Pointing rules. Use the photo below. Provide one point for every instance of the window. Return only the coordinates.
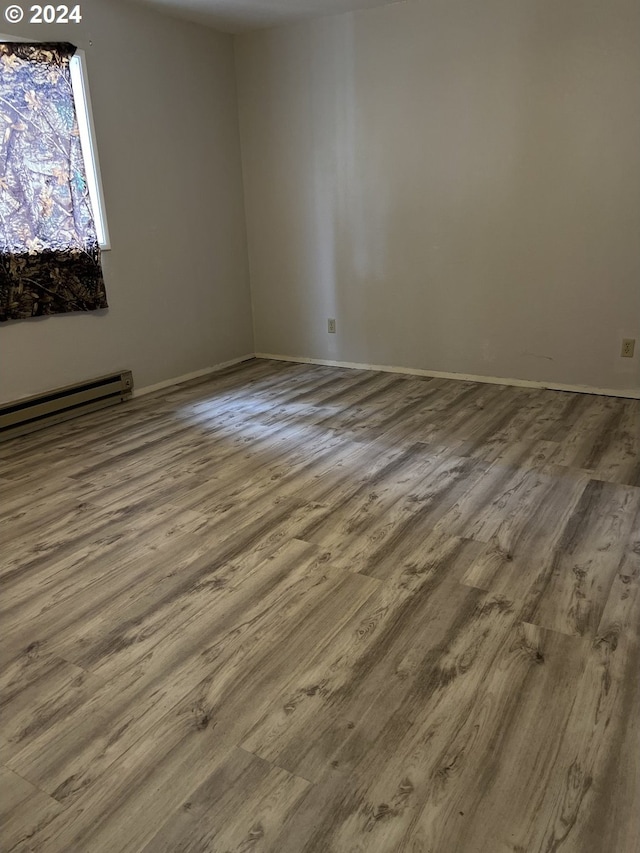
(80, 86)
(52, 224)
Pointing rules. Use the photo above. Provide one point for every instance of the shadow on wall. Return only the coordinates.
(348, 250)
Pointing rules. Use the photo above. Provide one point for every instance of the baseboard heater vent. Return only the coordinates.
(37, 412)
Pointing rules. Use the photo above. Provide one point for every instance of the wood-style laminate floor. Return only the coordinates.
(297, 608)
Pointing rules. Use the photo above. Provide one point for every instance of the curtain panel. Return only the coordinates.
(49, 253)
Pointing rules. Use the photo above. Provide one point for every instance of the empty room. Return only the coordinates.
(320, 426)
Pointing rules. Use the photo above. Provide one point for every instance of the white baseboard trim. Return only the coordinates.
(467, 377)
(196, 374)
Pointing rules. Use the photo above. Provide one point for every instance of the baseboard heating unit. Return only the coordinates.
(40, 411)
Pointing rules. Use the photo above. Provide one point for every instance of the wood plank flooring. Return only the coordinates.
(302, 609)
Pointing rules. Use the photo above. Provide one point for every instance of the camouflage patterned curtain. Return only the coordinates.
(49, 254)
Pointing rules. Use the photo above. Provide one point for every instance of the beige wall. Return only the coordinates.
(165, 111)
(456, 182)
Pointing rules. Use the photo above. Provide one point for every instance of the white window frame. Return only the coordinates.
(82, 98)
(84, 113)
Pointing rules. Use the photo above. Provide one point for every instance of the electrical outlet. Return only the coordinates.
(331, 326)
(628, 347)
